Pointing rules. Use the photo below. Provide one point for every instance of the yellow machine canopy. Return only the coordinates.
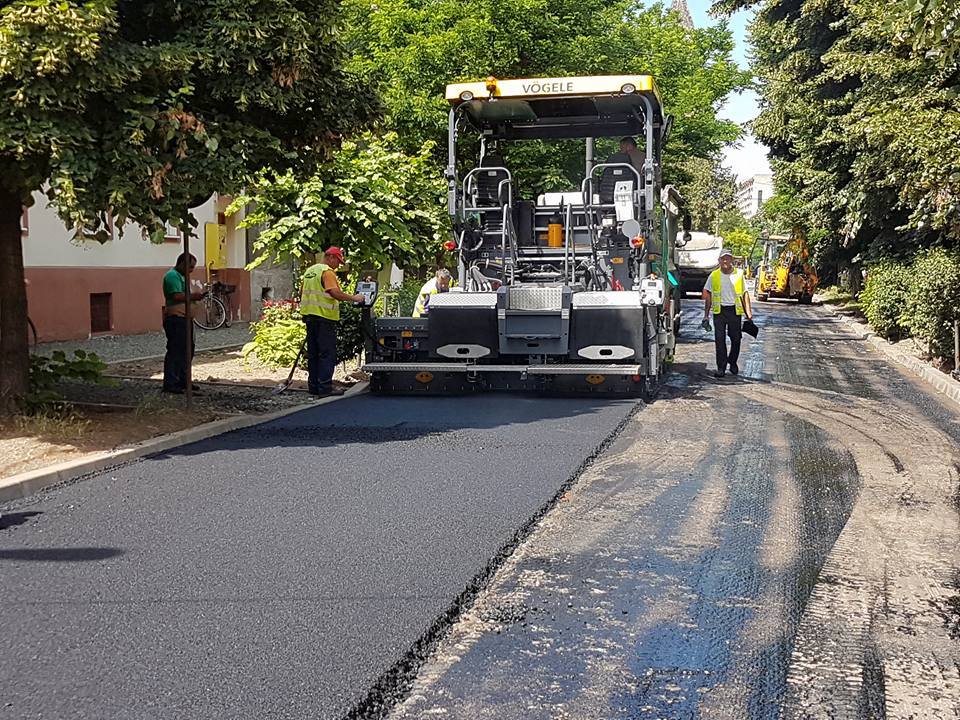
(570, 107)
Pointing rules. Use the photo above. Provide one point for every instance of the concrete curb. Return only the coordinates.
(941, 382)
(25, 484)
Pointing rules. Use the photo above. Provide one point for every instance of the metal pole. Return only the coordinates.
(590, 154)
(186, 301)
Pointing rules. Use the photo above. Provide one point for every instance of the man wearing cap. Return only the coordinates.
(725, 294)
(320, 300)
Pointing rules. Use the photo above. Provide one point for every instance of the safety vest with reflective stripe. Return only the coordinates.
(739, 288)
(314, 300)
(423, 299)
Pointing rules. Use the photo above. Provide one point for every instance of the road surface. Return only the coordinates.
(781, 543)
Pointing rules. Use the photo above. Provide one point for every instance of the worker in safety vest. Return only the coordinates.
(725, 296)
(440, 283)
(320, 300)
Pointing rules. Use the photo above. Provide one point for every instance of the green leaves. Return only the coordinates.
(165, 102)
(380, 203)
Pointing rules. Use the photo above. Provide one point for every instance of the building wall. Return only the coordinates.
(752, 193)
(63, 273)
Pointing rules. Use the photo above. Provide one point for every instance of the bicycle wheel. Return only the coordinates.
(209, 313)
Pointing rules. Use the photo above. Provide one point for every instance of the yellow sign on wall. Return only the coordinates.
(215, 246)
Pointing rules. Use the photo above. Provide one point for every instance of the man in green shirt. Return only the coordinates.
(175, 324)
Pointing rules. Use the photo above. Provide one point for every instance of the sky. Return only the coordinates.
(749, 158)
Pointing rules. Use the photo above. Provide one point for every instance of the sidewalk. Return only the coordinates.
(113, 348)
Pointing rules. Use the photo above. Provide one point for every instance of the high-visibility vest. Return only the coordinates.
(739, 288)
(314, 300)
(423, 299)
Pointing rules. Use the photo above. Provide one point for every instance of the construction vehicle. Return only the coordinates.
(569, 292)
(699, 257)
(785, 270)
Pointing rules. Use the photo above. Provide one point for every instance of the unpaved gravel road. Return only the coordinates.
(780, 546)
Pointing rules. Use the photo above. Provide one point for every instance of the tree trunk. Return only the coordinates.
(14, 352)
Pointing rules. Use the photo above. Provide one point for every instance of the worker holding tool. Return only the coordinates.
(320, 300)
(439, 283)
(725, 294)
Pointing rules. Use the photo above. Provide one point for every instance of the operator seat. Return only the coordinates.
(612, 175)
(488, 181)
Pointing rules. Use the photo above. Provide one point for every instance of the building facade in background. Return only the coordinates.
(752, 193)
(79, 289)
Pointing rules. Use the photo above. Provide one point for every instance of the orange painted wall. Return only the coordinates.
(59, 299)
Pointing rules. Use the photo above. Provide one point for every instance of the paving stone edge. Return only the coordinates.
(941, 382)
(23, 485)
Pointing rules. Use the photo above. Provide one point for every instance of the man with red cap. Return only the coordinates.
(320, 300)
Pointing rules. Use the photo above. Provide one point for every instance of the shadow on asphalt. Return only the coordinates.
(78, 554)
(8, 520)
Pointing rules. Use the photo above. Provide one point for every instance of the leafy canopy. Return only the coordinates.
(147, 108)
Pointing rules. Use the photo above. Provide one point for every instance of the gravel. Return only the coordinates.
(114, 348)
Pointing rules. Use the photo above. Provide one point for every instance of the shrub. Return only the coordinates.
(46, 373)
(278, 335)
(884, 299)
(934, 299)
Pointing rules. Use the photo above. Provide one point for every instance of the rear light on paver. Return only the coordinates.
(450, 246)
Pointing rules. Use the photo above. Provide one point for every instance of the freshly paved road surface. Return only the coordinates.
(783, 545)
(276, 572)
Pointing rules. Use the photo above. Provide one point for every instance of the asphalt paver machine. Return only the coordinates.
(568, 292)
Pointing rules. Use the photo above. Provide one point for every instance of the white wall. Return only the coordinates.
(49, 243)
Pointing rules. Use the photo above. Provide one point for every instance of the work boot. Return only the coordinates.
(719, 374)
(329, 392)
(734, 370)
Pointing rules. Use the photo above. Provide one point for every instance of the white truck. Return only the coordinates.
(696, 259)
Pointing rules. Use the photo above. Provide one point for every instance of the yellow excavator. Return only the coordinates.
(785, 271)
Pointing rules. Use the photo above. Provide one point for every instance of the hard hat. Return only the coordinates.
(725, 251)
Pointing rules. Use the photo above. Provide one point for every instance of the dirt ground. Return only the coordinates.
(131, 408)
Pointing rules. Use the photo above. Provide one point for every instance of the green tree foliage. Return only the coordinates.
(410, 49)
(710, 192)
(380, 203)
(146, 107)
(860, 110)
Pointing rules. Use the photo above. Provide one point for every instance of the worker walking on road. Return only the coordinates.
(725, 295)
(320, 300)
(440, 283)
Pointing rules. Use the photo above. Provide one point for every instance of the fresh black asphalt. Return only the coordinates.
(278, 571)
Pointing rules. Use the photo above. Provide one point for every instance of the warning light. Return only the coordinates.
(450, 246)
(637, 241)
(637, 378)
(492, 85)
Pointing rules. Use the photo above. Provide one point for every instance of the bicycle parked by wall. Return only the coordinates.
(213, 310)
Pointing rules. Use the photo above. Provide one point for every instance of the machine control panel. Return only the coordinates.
(651, 291)
(367, 288)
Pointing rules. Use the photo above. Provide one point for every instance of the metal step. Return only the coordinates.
(558, 369)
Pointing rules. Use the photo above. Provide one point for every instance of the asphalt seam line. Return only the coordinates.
(394, 684)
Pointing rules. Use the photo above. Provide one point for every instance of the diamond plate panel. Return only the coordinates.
(535, 298)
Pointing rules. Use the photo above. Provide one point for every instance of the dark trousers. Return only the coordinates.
(727, 322)
(321, 353)
(175, 361)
